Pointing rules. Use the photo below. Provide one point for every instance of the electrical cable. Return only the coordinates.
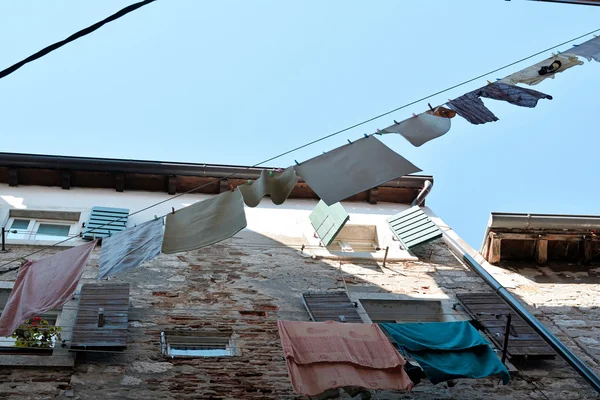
(302, 146)
(73, 37)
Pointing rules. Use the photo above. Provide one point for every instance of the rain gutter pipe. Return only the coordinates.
(570, 357)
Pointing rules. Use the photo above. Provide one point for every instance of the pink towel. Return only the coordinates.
(327, 355)
(43, 285)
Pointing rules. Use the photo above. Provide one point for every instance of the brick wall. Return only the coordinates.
(246, 288)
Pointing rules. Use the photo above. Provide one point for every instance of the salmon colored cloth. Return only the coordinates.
(327, 355)
(44, 284)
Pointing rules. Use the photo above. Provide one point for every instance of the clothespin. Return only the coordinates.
(431, 108)
(366, 135)
(249, 182)
(173, 210)
(155, 217)
(324, 152)
(271, 173)
(231, 187)
(297, 163)
(414, 115)
(489, 83)
(349, 141)
(396, 122)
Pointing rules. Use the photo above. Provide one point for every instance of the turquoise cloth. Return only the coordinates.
(448, 350)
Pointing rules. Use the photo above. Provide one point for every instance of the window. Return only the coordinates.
(399, 311)
(193, 344)
(355, 239)
(8, 344)
(40, 229)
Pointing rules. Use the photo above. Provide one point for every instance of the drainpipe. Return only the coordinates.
(544, 332)
(422, 194)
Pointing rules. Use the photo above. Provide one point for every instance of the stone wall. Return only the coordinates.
(246, 288)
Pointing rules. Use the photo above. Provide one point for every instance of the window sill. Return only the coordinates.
(393, 256)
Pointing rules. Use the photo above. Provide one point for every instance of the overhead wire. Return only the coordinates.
(73, 37)
(298, 147)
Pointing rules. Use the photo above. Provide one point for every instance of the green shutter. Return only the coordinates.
(328, 221)
(105, 221)
(413, 227)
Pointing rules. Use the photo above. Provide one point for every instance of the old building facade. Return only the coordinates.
(203, 324)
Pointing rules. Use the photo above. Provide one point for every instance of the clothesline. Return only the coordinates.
(312, 142)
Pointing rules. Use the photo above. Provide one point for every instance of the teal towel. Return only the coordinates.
(448, 350)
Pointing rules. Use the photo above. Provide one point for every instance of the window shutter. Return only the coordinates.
(114, 300)
(331, 306)
(105, 221)
(328, 221)
(490, 310)
(413, 227)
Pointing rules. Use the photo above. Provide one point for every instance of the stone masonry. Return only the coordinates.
(242, 288)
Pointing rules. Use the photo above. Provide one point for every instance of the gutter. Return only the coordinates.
(16, 160)
(570, 357)
(522, 221)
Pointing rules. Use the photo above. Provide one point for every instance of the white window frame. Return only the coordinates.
(176, 351)
(30, 233)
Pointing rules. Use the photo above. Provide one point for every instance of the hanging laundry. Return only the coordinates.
(421, 128)
(44, 284)
(448, 350)
(328, 355)
(442, 112)
(204, 223)
(128, 249)
(542, 70)
(589, 50)
(353, 168)
(277, 185)
(471, 108)
(516, 95)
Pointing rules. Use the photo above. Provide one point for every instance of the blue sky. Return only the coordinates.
(236, 82)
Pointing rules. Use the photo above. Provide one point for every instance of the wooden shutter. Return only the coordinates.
(114, 299)
(328, 221)
(413, 227)
(330, 307)
(105, 221)
(523, 341)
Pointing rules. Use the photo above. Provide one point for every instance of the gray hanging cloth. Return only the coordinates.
(421, 128)
(204, 223)
(353, 168)
(589, 50)
(471, 108)
(516, 95)
(128, 249)
(277, 185)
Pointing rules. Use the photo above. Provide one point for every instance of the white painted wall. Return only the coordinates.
(287, 223)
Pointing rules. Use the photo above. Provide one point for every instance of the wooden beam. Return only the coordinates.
(373, 195)
(13, 177)
(566, 237)
(495, 249)
(65, 180)
(120, 182)
(172, 184)
(224, 185)
(588, 246)
(541, 251)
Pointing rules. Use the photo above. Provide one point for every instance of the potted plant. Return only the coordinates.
(36, 335)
